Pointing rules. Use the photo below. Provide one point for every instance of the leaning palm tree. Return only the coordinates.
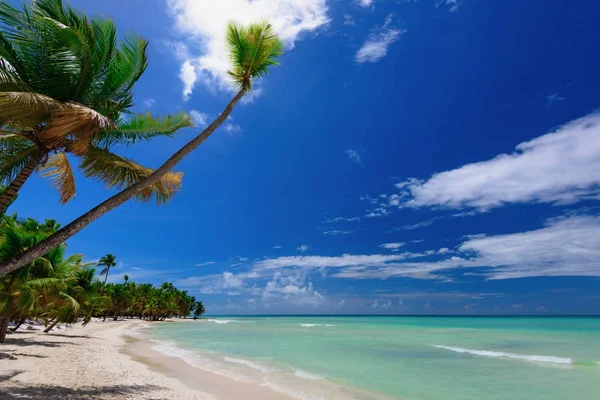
(65, 83)
(253, 50)
(108, 261)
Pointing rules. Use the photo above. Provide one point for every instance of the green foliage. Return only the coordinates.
(60, 289)
(65, 82)
(252, 50)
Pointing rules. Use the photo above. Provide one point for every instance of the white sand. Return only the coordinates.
(89, 363)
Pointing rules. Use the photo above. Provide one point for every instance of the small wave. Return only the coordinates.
(500, 354)
(227, 321)
(250, 364)
(306, 375)
(313, 325)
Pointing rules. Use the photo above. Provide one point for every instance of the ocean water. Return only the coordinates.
(412, 358)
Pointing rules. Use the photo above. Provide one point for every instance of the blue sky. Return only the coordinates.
(407, 157)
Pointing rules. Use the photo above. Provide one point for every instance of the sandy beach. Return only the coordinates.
(108, 360)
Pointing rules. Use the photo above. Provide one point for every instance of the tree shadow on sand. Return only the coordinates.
(13, 355)
(72, 336)
(45, 392)
(22, 342)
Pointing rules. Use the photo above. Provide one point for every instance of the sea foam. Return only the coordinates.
(500, 354)
(313, 325)
(251, 364)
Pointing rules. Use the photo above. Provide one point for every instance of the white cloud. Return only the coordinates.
(187, 74)
(378, 43)
(341, 219)
(203, 264)
(227, 282)
(200, 119)
(338, 232)
(392, 246)
(278, 247)
(232, 128)
(348, 20)
(354, 156)
(365, 3)
(149, 102)
(453, 5)
(292, 289)
(565, 247)
(302, 248)
(559, 167)
(203, 23)
(554, 98)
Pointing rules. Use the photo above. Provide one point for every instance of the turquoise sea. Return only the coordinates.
(412, 358)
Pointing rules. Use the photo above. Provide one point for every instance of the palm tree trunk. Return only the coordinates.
(106, 276)
(8, 195)
(19, 324)
(3, 328)
(48, 329)
(60, 236)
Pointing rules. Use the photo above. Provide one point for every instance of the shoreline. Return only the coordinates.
(109, 360)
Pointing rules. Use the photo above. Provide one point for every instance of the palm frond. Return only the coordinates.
(26, 109)
(121, 172)
(252, 50)
(77, 121)
(59, 170)
(13, 161)
(141, 127)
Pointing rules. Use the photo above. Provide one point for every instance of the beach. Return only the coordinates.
(107, 360)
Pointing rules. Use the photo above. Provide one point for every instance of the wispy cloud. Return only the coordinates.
(453, 5)
(354, 156)
(379, 41)
(278, 247)
(149, 102)
(337, 232)
(553, 168)
(341, 219)
(567, 246)
(202, 24)
(204, 264)
(554, 98)
(200, 119)
(349, 20)
(302, 248)
(365, 3)
(392, 246)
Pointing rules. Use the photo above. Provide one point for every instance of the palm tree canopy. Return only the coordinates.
(107, 261)
(65, 83)
(252, 49)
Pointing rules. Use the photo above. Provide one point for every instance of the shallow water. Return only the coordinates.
(413, 358)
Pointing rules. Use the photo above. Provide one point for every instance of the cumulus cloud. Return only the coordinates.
(560, 167)
(377, 45)
(292, 289)
(203, 23)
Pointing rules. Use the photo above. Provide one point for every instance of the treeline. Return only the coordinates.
(56, 288)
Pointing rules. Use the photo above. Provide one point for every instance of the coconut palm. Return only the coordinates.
(108, 261)
(65, 83)
(253, 50)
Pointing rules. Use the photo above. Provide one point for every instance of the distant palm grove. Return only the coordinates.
(60, 289)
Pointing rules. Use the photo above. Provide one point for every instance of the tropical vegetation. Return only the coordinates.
(66, 90)
(253, 50)
(60, 289)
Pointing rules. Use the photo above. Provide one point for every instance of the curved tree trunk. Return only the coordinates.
(8, 195)
(60, 236)
(48, 329)
(3, 328)
(19, 324)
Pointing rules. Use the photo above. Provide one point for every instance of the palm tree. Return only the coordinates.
(108, 261)
(252, 51)
(126, 278)
(65, 83)
(198, 309)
